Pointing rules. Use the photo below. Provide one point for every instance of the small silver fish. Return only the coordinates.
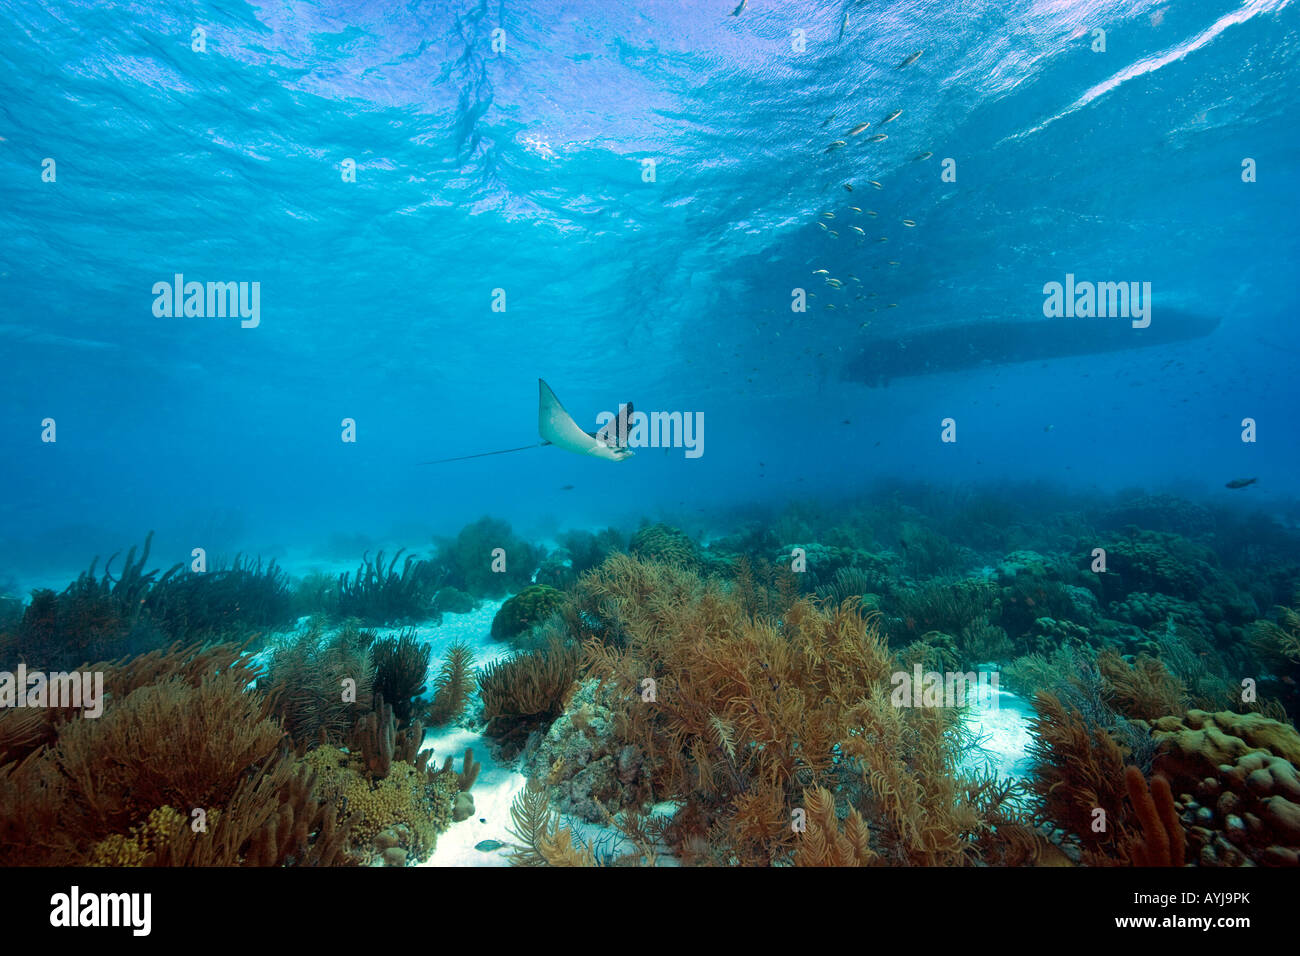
(908, 62)
(879, 138)
(736, 13)
(908, 222)
(876, 184)
(891, 117)
(926, 155)
(858, 129)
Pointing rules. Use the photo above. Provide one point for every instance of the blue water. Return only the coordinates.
(522, 170)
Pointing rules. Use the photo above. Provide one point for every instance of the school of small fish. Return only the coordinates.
(854, 131)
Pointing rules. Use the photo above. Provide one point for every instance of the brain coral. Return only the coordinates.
(659, 542)
(530, 607)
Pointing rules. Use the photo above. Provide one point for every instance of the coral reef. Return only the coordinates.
(1167, 513)
(275, 818)
(1153, 561)
(720, 700)
(1239, 790)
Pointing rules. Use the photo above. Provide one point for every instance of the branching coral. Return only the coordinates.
(1144, 689)
(1078, 771)
(237, 600)
(736, 716)
(275, 818)
(401, 667)
(319, 685)
(181, 730)
(378, 741)
(469, 770)
(529, 689)
(825, 843)
(166, 744)
(543, 841)
(92, 619)
(453, 685)
(381, 594)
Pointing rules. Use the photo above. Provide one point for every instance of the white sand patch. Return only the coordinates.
(497, 783)
(474, 628)
(493, 792)
(1002, 725)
